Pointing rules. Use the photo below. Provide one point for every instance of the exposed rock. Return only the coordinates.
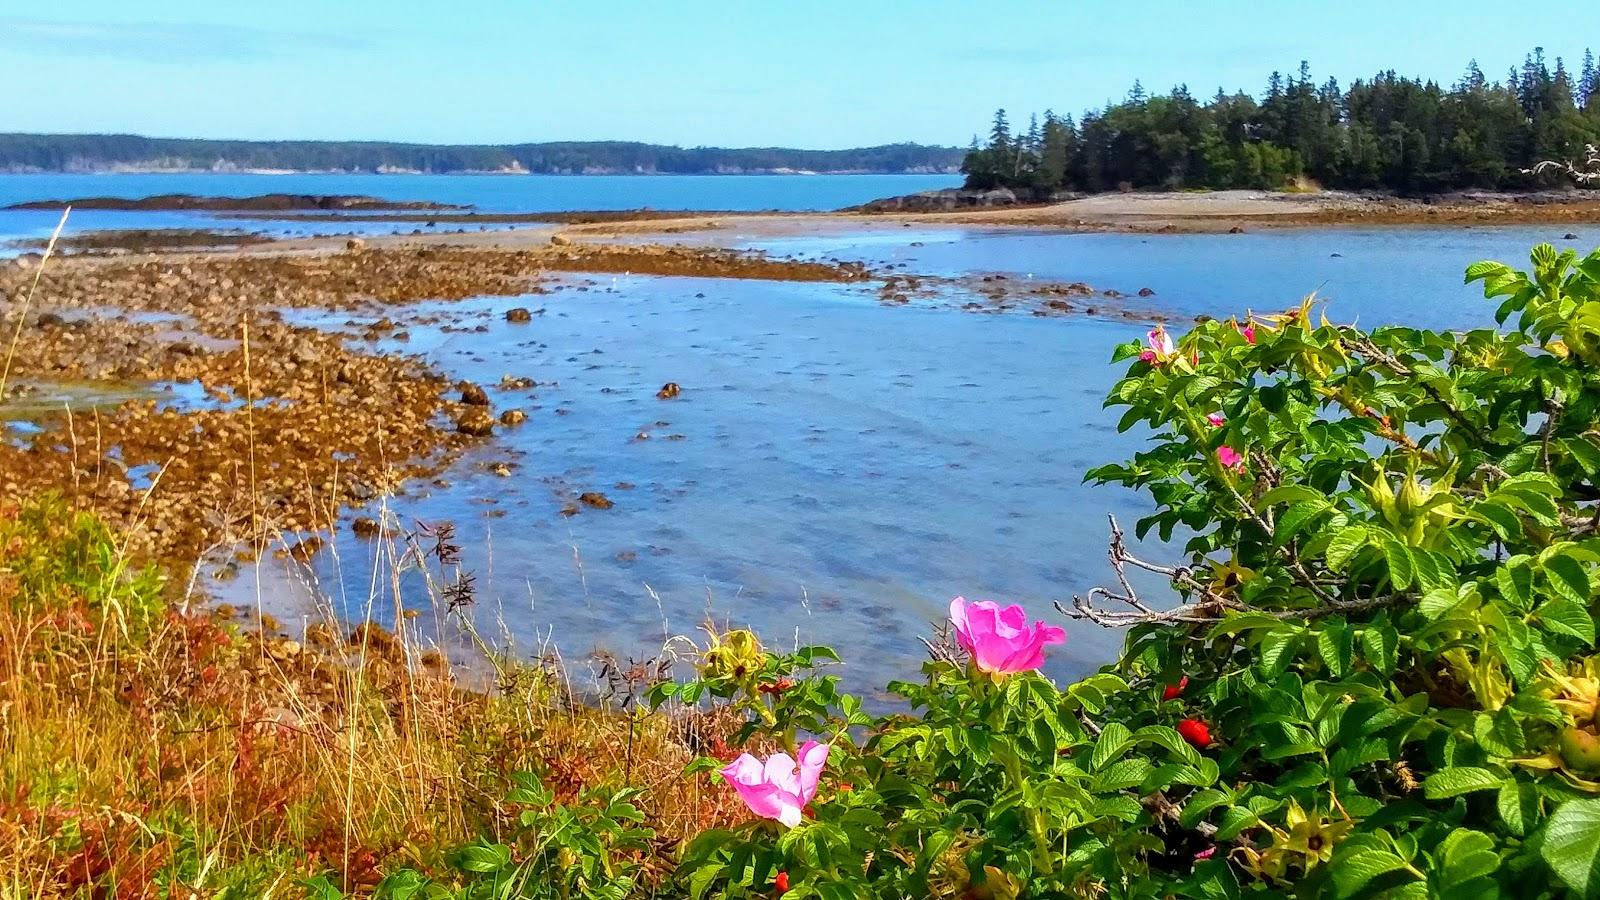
(668, 391)
(303, 551)
(1569, 236)
(519, 314)
(1146, 292)
(560, 240)
(513, 417)
(355, 245)
(962, 198)
(476, 422)
(473, 395)
(365, 527)
(595, 499)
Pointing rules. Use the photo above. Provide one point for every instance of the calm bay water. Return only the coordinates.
(836, 470)
(488, 193)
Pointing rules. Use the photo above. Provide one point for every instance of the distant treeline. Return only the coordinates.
(102, 152)
(1388, 132)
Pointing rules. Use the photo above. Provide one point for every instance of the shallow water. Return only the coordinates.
(836, 470)
(489, 193)
(1373, 276)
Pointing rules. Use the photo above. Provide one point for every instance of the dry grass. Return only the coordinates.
(152, 752)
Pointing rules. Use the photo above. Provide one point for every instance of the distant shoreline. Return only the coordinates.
(619, 173)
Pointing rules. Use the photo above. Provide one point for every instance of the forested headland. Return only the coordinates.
(1385, 132)
(129, 152)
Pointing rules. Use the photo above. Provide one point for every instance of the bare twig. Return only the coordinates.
(1212, 604)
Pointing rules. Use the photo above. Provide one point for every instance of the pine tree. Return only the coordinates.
(1000, 133)
(1588, 81)
(1388, 131)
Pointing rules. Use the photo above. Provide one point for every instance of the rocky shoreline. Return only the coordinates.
(1203, 211)
(251, 430)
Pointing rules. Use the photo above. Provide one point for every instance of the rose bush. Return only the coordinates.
(1378, 677)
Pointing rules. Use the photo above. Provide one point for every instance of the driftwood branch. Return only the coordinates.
(1210, 607)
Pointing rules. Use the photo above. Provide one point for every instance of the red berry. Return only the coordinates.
(1171, 691)
(1195, 732)
(781, 882)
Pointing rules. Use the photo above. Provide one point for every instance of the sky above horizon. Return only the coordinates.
(824, 74)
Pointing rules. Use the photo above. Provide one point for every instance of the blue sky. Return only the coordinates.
(814, 74)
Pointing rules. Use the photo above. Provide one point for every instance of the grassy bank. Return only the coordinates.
(155, 751)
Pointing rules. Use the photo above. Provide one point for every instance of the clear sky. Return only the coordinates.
(810, 73)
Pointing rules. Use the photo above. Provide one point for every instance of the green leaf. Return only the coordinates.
(1571, 845)
(1275, 647)
(700, 880)
(1519, 807)
(1346, 542)
(1352, 872)
(1114, 740)
(1562, 616)
(1583, 450)
(1402, 568)
(1485, 269)
(1501, 518)
(1293, 493)
(1568, 578)
(1515, 581)
(1295, 519)
(1171, 740)
(484, 857)
(1334, 645)
(1466, 854)
(1380, 645)
(1120, 775)
(1458, 780)
(321, 888)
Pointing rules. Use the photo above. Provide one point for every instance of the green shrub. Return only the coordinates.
(64, 562)
(1378, 679)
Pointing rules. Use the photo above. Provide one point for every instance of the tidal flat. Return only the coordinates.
(868, 418)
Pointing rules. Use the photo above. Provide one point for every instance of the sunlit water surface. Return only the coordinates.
(836, 470)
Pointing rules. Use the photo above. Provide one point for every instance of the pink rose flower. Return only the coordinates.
(1000, 640)
(1230, 458)
(1159, 346)
(1217, 419)
(778, 788)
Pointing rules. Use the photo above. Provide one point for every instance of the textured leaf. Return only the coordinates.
(1568, 578)
(1334, 646)
(1344, 545)
(1352, 872)
(1457, 780)
(1562, 616)
(1402, 568)
(1519, 807)
(1112, 743)
(1571, 845)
